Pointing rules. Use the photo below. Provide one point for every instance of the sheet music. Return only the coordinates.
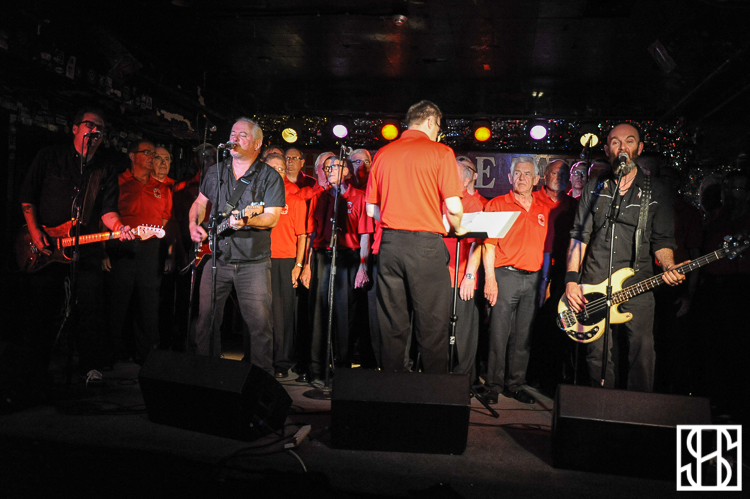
(486, 224)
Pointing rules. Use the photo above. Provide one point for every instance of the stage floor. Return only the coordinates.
(100, 440)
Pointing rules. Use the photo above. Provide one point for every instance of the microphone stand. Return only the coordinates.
(193, 266)
(212, 222)
(611, 218)
(71, 310)
(454, 320)
(325, 392)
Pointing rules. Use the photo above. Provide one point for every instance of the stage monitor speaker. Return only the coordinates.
(222, 397)
(401, 412)
(621, 432)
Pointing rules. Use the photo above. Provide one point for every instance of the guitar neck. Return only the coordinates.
(67, 242)
(657, 280)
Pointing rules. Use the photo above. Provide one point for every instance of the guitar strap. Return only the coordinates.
(240, 187)
(642, 218)
(90, 197)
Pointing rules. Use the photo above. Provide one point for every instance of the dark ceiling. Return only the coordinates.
(650, 59)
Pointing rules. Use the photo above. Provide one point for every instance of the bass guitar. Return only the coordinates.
(588, 324)
(205, 248)
(30, 259)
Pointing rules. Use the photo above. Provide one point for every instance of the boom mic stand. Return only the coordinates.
(212, 223)
(193, 265)
(71, 320)
(454, 321)
(325, 392)
(612, 219)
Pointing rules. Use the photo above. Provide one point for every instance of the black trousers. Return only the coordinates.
(467, 336)
(413, 278)
(284, 312)
(639, 339)
(44, 298)
(252, 281)
(511, 320)
(347, 264)
(136, 274)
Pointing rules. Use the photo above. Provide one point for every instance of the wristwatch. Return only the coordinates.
(297, 264)
(469, 276)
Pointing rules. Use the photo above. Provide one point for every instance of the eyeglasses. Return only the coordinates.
(359, 162)
(578, 173)
(242, 135)
(293, 158)
(91, 125)
(163, 159)
(146, 153)
(331, 167)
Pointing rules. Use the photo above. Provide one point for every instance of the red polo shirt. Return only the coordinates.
(480, 198)
(523, 245)
(410, 178)
(291, 224)
(140, 204)
(562, 214)
(351, 210)
(471, 205)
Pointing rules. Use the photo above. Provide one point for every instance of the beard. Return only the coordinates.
(627, 168)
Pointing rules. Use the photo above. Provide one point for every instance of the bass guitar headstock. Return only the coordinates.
(734, 245)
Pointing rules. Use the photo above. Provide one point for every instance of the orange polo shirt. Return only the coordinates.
(140, 204)
(523, 245)
(410, 178)
(471, 205)
(291, 224)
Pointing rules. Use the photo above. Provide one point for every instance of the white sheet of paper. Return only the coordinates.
(487, 223)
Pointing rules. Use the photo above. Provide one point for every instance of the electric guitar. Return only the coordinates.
(588, 324)
(205, 248)
(30, 259)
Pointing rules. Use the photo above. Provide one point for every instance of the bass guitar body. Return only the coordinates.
(588, 324)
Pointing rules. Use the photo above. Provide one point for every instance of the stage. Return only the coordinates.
(100, 441)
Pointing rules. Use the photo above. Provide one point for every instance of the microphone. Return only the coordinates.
(93, 135)
(623, 158)
(228, 145)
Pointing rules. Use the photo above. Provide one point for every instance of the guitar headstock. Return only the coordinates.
(734, 245)
(252, 210)
(149, 231)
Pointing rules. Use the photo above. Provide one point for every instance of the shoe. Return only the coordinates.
(521, 395)
(93, 378)
(281, 374)
(490, 396)
(303, 378)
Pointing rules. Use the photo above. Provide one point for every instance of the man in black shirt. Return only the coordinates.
(55, 187)
(590, 236)
(244, 251)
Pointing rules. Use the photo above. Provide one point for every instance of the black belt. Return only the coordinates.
(524, 272)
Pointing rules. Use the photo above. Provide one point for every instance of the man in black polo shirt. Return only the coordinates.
(244, 251)
(55, 186)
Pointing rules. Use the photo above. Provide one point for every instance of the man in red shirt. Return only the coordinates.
(468, 163)
(467, 327)
(512, 264)
(135, 265)
(352, 249)
(409, 181)
(287, 255)
(295, 162)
